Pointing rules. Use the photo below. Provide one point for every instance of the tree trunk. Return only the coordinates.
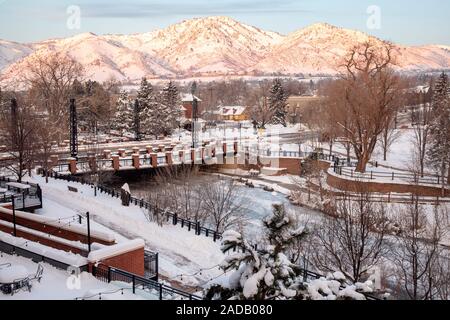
(331, 147)
(348, 152)
(362, 163)
(448, 175)
(443, 169)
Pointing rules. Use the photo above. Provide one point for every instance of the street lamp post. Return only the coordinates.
(14, 216)
(73, 130)
(194, 115)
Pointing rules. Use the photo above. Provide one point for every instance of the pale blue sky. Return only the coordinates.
(403, 21)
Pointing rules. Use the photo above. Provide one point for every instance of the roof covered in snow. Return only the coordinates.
(231, 110)
(188, 97)
(115, 250)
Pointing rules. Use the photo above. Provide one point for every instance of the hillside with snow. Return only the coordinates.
(11, 52)
(212, 46)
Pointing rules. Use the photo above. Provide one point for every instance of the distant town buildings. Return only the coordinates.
(233, 113)
(298, 104)
(187, 103)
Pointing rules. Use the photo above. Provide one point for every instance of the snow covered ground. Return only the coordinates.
(181, 253)
(400, 154)
(59, 285)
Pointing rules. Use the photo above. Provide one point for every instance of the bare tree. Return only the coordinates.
(50, 79)
(388, 136)
(313, 173)
(222, 203)
(159, 204)
(185, 188)
(443, 275)
(19, 129)
(351, 239)
(44, 135)
(369, 89)
(415, 253)
(422, 135)
(258, 101)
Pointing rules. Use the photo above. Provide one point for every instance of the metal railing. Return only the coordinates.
(151, 265)
(31, 198)
(109, 274)
(391, 176)
(170, 216)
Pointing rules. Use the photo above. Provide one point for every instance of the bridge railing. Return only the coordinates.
(145, 161)
(125, 162)
(388, 176)
(105, 164)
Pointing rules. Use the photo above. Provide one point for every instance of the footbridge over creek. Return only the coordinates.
(231, 154)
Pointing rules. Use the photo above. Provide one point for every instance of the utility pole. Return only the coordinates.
(14, 216)
(14, 124)
(73, 130)
(137, 121)
(88, 231)
(194, 116)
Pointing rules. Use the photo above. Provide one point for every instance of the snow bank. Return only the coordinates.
(126, 188)
(51, 222)
(55, 254)
(13, 273)
(73, 244)
(115, 250)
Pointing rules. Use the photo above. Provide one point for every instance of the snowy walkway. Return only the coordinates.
(54, 284)
(181, 252)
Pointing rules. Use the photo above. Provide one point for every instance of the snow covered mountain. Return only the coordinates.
(102, 58)
(320, 48)
(208, 47)
(11, 52)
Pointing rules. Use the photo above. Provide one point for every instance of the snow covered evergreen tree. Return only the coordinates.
(265, 273)
(147, 108)
(123, 119)
(171, 101)
(439, 150)
(278, 103)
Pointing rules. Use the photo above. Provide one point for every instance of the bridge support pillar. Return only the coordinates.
(54, 160)
(136, 163)
(181, 153)
(92, 162)
(107, 154)
(154, 157)
(73, 165)
(116, 163)
(169, 158)
(149, 149)
(193, 156)
(121, 152)
(203, 153)
(136, 150)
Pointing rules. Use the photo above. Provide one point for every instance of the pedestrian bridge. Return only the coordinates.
(231, 154)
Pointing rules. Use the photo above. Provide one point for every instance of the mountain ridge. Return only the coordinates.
(212, 46)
